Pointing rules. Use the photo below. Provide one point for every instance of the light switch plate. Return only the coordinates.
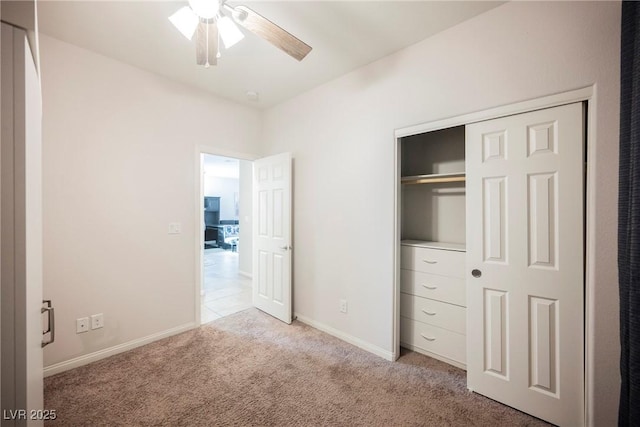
(175, 228)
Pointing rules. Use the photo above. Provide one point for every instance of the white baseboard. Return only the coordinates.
(388, 355)
(56, 368)
(245, 274)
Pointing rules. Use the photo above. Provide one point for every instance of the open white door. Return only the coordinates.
(272, 236)
(21, 226)
(525, 260)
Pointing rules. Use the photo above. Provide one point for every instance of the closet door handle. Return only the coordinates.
(428, 313)
(430, 287)
(427, 338)
(429, 262)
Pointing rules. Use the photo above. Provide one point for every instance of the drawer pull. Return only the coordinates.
(430, 287)
(429, 313)
(429, 262)
(428, 338)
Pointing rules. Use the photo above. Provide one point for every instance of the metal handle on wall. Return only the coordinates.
(51, 322)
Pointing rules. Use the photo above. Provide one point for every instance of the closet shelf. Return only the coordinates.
(433, 178)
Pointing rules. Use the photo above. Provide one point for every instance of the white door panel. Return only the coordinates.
(272, 239)
(21, 224)
(33, 234)
(525, 202)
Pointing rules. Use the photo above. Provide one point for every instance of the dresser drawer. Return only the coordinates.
(433, 339)
(433, 261)
(441, 288)
(436, 313)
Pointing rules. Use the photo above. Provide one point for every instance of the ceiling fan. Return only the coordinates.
(212, 21)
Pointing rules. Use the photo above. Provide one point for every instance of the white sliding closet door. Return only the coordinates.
(525, 260)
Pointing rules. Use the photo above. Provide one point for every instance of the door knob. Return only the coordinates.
(285, 248)
(476, 273)
(52, 323)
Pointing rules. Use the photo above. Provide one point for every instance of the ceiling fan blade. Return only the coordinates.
(207, 43)
(272, 33)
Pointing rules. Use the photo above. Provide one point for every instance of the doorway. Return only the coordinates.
(226, 285)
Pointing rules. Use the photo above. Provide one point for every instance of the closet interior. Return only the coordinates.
(433, 290)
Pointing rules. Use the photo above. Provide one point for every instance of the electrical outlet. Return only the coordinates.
(82, 325)
(97, 321)
(343, 306)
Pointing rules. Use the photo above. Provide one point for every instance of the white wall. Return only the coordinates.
(119, 164)
(225, 188)
(341, 136)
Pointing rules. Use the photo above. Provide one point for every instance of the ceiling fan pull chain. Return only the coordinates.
(207, 65)
(218, 55)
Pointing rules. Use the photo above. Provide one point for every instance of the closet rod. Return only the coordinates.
(434, 180)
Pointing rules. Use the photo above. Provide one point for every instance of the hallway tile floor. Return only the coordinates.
(224, 290)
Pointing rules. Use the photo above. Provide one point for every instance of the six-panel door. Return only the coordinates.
(525, 204)
(272, 236)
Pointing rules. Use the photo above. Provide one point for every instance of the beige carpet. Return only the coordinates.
(250, 369)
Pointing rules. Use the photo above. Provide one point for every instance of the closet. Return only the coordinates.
(433, 291)
(492, 255)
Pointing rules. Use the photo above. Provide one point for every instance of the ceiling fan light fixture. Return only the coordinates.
(185, 21)
(229, 32)
(212, 22)
(205, 9)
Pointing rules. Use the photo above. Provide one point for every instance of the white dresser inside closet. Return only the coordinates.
(433, 290)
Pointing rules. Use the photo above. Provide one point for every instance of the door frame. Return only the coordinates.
(586, 94)
(199, 213)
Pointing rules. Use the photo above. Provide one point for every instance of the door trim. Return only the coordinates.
(199, 214)
(586, 94)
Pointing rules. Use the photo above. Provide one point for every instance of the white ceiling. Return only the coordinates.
(344, 35)
(222, 167)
